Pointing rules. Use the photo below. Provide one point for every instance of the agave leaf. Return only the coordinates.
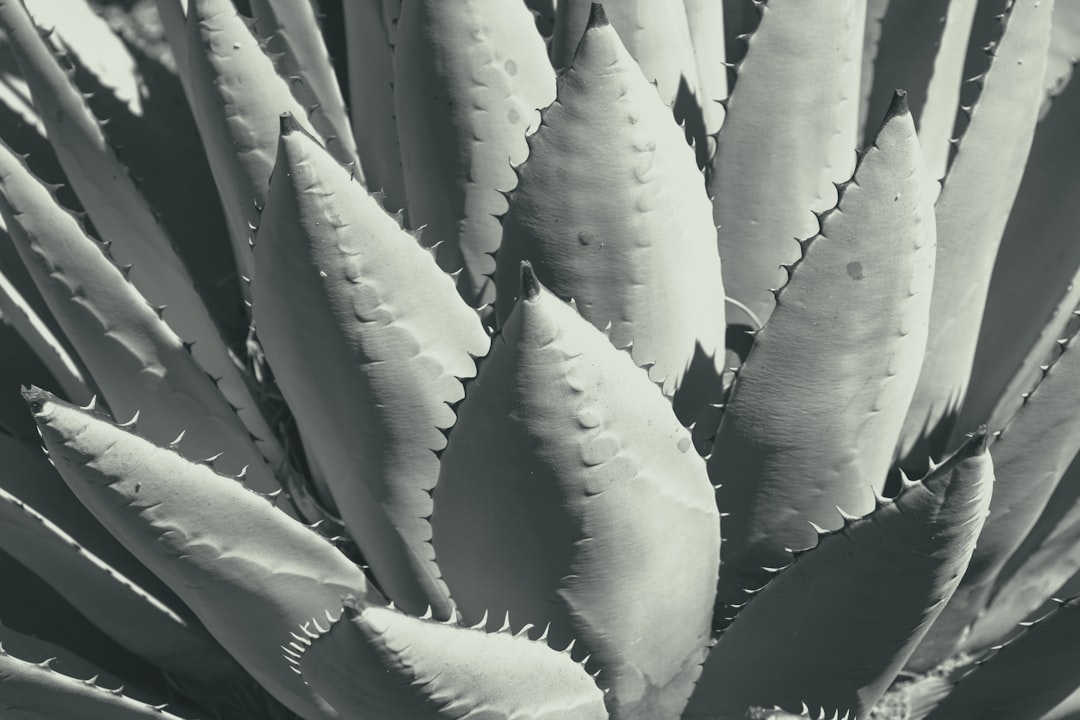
(125, 220)
(370, 55)
(78, 30)
(611, 211)
(35, 691)
(1033, 287)
(469, 80)
(1045, 560)
(173, 15)
(121, 609)
(368, 340)
(1030, 456)
(922, 49)
(138, 363)
(844, 343)
(1064, 50)
(60, 659)
(1031, 674)
(378, 662)
(250, 573)
(29, 476)
(972, 210)
(292, 30)
(788, 135)
(706, 21)
(236, 96)
(17, 312)
(814, 633)
(656, 33)
(569, 494)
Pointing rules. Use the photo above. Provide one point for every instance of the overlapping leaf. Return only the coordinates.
(569, 494)
(248, 571)
(816, 409)
(611, 211)
(368, 340)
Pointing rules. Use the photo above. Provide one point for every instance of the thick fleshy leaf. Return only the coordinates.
(569, 494)
(816, 634)
(17, 312)
(236, 96)
(1024, 679)
(922, 50)
(135, 359)
(370, 54)
(656, 33)
(35, 691)
(126, 221)
(611, 211)
(1035, 279)
(789, 134)
(706, 21)
(972, 210)
(469, 80)
(248, 571)
(368, 340)
(292, 31)
(1030, 457)
(121, 609)
(378, 662)
(843, 345)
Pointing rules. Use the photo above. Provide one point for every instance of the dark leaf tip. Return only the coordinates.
(530, 286)
(36, 398)
(597, 16)
(899, 105)
(979, 440)
(289, 123)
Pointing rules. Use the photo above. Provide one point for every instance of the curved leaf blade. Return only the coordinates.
(248, 571)
(379, 662)
(814, 634)
(570, 494)
(844, 343)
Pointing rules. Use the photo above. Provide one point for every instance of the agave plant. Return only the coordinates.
(576, 367)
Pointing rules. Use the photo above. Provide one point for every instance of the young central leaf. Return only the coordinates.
(612, 213)
(817, 408)
(367, 339)
(569, 494)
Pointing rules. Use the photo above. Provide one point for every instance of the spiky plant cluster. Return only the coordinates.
(576, 366)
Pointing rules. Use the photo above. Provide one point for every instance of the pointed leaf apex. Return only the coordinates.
(530, 286)
(597, 16)
(899, 105)
(35, 397)
(289, 124)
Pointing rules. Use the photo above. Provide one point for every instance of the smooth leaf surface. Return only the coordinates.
(247, 570)
(381, 663)
(815, 411)
(815, 632)
(611, 211)
(569, 494)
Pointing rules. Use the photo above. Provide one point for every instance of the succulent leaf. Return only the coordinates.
(369, 340)
(853, 320)
(135, 359)
(292, 33)
(569, 494)
(1031, 455)
(611, 211)
(788, 135)
(1031, 674)
(971, 212)
(469, 80)
(34, 691)
(236, 96)
(814, 634)
(247, 570)
(379, 662)
(126, 221)
(370, 55)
